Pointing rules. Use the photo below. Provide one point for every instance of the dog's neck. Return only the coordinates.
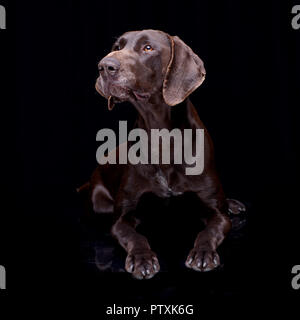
(158, 115)
(153, 115)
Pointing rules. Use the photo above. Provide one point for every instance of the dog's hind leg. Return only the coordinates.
(235, 206)
(102, 200)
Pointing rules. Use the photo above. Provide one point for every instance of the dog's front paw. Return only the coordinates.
(202, 259)
(143, 264)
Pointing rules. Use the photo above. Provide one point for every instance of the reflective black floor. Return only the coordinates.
(171, 227)
(62, 250)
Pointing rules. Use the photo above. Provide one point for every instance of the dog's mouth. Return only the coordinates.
(118, 93)
(111, 102)
(123, 93)
(141, 96)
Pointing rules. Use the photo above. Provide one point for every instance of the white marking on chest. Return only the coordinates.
(162, 181)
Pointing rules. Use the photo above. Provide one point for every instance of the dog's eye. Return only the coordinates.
(117, 48)
(148, 48)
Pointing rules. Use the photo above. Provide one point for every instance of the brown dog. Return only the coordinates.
(154, 71)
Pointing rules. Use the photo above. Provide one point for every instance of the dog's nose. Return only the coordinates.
(109, 65)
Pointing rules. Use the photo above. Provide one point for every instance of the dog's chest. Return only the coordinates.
(162, 187)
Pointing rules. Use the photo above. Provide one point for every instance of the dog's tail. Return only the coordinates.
(84, 187)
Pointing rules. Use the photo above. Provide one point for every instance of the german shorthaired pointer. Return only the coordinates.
(155, 71)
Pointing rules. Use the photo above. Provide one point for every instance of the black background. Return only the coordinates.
(51, 113)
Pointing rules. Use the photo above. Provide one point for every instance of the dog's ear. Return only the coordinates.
(185, 73)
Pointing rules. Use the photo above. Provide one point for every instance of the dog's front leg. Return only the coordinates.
(204, 257)
(141, 261)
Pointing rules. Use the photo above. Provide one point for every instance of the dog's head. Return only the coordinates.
(146, 64)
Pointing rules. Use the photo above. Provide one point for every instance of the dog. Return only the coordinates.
(155, 72)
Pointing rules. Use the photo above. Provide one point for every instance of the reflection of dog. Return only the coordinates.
(154, 71)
